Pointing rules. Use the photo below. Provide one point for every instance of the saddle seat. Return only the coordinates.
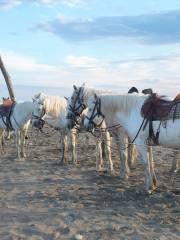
(5, 108)
(158, 108)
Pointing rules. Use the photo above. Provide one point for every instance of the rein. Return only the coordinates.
(39, 118)
(74, 110)
(97, 105)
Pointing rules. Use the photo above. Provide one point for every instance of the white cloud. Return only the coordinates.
(17, 62)
(7, 4)
(82, 61)
(161, 75)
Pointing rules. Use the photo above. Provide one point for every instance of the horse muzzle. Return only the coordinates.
(89, 126)
(38, 123)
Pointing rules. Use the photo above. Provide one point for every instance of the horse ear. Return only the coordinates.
(66, 98)
(75, 88)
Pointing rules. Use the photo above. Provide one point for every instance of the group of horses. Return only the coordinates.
(106, 115)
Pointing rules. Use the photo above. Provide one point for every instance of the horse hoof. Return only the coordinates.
(76, 163)
(60, 163)
(102, 172)
(123, 176)
(174, 170)
(112, 173)
(152, 189)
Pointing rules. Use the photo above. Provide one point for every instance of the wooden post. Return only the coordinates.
(7, 79)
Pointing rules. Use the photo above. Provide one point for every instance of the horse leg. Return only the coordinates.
(2, 143)
(22, 147)
(132, 155)
(18, 144)
(99, 158)
(73, 146)
(143, 150)
(176, 162)
(64, 148)
(151, 161)
(108, 143)
(122, 144)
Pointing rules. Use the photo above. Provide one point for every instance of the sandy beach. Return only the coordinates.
(41, 200)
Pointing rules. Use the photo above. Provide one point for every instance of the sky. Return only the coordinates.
(109, 44)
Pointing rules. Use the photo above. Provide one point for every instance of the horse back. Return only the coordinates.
(156, 108)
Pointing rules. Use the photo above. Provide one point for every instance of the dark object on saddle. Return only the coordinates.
(158, 108)
(147, 91)
(133, 90)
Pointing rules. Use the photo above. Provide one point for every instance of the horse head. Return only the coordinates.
(93, 116)
(39, 110)
(76, 105)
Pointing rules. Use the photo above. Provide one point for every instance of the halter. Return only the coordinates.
(75, 112)
(96, 112)
(40, 118)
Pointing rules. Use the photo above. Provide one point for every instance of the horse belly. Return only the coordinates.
(170, 134)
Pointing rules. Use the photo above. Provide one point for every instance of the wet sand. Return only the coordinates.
(40, 200)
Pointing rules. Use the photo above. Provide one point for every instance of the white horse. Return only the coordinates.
(76, 110)
(126, 109)
(19, 121)
(53, 111)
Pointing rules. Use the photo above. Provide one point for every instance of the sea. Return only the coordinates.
(26, 93)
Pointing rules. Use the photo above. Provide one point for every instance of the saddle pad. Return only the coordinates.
(5, 110)
(157, 108)
(173, 114)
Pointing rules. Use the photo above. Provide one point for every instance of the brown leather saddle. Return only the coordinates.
(5, 112)
(5, 108)
(157, 108)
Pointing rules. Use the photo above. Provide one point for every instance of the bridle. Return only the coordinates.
(40, 118)
(96, 112)
(75, 112)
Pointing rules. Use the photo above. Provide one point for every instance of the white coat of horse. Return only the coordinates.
(76, 110)
(53, 110)
(20, 121)
(126, 109)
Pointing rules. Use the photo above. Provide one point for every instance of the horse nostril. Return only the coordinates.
(90, 127)
(35, 124)
(70, 125)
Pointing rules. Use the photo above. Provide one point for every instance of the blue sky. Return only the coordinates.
(107, 44)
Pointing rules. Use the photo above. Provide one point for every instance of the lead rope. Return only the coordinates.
(138, 131)
(124, 148)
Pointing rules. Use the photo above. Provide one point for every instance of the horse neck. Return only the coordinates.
(55, 106)
(23, 111)
(122, 105)
(89, 92)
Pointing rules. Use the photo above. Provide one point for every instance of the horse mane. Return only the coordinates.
(54, 105)
(123, 102)
(88, 92)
